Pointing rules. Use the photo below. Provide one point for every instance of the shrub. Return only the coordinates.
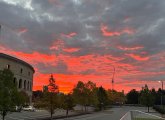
(159, 108)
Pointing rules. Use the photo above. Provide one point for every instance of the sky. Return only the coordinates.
(82, 40)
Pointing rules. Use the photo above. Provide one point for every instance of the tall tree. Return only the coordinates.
(79, 94)
(102, 97)
(9, 95)
(67, 102)
(146, 97)
(85, 94)
(133, 97)
(92, 93)
(50, 98)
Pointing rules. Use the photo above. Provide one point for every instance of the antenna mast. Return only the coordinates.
(113, 78)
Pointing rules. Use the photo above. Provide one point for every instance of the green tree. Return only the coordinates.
(10, 97)
(50, 97)
(85, 94)
(92, 93)
(133, 97)
(115, 97)
(80, 94)
(146, 97)
(67, 102)
(102, 97)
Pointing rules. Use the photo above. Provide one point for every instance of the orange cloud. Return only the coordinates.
(32, 58)
(70, 35)
(57, 45)
(105, 31)
(130, 48)
(137, 57)
(22, 30)
(71, 50)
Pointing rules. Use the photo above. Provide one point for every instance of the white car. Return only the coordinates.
(28, 108)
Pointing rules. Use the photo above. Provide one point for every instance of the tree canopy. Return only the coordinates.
(133, 97)
(10, 97)
(146, 97)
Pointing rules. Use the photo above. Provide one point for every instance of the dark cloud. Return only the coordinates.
(60, 68)
(46, 21)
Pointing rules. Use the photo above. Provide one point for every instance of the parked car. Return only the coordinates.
(28, 108)
(18, 108)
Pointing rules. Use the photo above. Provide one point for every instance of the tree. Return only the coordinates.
(85, 94)
(67, 103)
(158, 97)
(115, 97)
(133, 97)
(37, 95)
(92, 92)
(50, 99)
(102, 97)
(146, 97)
(10, 97)
(79, 94)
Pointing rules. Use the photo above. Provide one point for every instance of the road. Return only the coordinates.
(27, 115)
(112, 114)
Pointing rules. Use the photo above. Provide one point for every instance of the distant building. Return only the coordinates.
(23, 72)
(45, 88)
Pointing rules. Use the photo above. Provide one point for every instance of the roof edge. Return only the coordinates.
(17, 60)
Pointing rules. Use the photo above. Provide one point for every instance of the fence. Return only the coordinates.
(138, 115)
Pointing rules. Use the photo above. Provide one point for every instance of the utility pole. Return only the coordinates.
(114, 70)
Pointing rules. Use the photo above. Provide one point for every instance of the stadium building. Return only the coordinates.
(23, 72)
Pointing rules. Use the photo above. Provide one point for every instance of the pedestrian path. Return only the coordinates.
(26, 115)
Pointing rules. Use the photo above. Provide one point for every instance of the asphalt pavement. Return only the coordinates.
(114, 113)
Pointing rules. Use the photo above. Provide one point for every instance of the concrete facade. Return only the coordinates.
(23, 72)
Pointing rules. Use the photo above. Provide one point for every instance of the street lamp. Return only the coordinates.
(161, 92)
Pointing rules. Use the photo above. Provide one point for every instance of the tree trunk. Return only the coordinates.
(51, 117)
(3, 117)
(67, 111)
(85, 108)
(82, 108)
(148, 109)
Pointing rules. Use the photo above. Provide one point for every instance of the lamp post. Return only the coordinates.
(161, 92)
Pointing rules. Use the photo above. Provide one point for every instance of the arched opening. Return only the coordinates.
(28, 88)
(8, 66)
(25, 84)
(21, 71)
(15, 81)
(20, 84)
